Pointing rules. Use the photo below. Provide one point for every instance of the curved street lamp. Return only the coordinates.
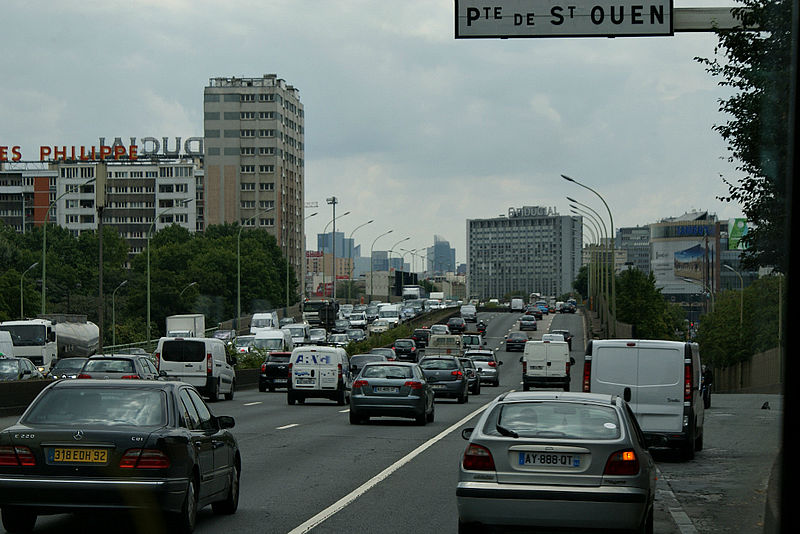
(114, 313)
(613, 249)
(239, 265)
(183, 203)
(389, 266)
(21, 294)
(602, 234)
(185, 288)
(350, 256)
(371, 261)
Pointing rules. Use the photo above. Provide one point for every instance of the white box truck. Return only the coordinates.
(187, 325)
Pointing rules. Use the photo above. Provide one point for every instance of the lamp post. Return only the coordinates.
(239, 266)
(350, 256)
(303, 266)
(602, 272)
(705, 289)
(185, 288)
(44, 237)
(389, 266)
(21, 294)
(182, 202)
(332, 201)
(114, 312)
(371, 261)
(333, 244)
(613, 251)
(741, 294)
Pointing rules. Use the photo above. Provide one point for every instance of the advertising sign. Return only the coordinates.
(737, 229)
(504, 19)
(683, 266)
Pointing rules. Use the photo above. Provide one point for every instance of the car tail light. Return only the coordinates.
(413, 384)
(84, 375)
(687, 381)
(16, 456)
(158, 361)
(209, 364)
(492, 364)
(587, 375)
(263, 367)
(524, 367)
(457, 373)
(567, 368)
(339, 366)
(144, 459)
(623, 463)
(131, 377)
(360, 383)
(477, 458)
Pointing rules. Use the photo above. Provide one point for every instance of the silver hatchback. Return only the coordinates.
(550, 459)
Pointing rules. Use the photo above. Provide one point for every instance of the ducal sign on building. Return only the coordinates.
(532, 211)
(146, 147)
(477, 19)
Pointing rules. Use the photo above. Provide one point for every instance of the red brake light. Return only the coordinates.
(413, 384)
(457, 373)
(492, 363)
(623, 463)
(340, 370)
(687, 382)
(477, 458)
(144, 459)
(17, 456)
(524, 367)
(360, 383)
(158, 361)
(263, 367)
(131, 377)
(209, 364)
(587, 375)
(83, 375)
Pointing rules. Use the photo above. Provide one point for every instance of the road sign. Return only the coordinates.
(482, 19)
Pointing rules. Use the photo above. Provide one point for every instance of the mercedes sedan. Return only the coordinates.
(137, 445)
(556, 460)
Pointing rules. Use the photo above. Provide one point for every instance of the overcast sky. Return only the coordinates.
(403, 123)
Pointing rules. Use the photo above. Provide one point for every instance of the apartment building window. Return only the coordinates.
(266, 222)
(266, 98)
(69, 172)
(266, 168)
(266, 133)
(248, 151)
(266, 151)
(247, 115)
(247, 169)
(166, 188)
(248, 204)
(247, 98)
(266, 186)
(248, 186)
(181, 188)
(266, 114)
(151, 174)
(247, 133)
(264, 204)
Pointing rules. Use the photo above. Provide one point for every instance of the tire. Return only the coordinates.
(497, 383)
(271, 389)
(698, 443)
(421, 420)
(229, 395)
(18, 519)
(525, 387)
(184, 521)
(687, 448)
(469, 528)
(213, 392)
(355, 419)
(431, 415)
(290, 398)
(647, 525)
(341, 397)
(230, 504)
(262, 388)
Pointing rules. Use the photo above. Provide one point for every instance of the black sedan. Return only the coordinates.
(134, 445)
(516, 341)
(567, 336)
(406, 349)
(457, 325)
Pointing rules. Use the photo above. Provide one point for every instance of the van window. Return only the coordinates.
(183, 351)
(268, 343)
(264, 322)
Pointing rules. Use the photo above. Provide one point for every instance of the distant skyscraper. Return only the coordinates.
(441, 257)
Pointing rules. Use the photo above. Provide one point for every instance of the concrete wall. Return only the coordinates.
(760, 374)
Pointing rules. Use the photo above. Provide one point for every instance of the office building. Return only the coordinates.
(441, 258)
(635, 241)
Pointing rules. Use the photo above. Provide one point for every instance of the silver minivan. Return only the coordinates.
(660, 380)
(199, 361)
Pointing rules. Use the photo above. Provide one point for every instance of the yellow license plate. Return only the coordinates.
(78, 456)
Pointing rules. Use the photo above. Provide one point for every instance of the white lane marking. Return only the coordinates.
(284, 427)
(252, 403)
(339, 505)
(344, 411)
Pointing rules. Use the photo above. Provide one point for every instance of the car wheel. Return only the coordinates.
(341, 397)
(271, 389)
(290, 398)
(213, 392)
(526, 387)
(469, 528)
(18, 519)
(262, 388)
(231, 502)
(421, 419)
(698, 443)
(647, 524)
(355, 419)
(184, 521)
(463, 397)
(229, 395)
(497, 383)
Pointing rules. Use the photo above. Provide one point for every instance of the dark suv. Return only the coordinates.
(457, 325)
(405, 349)
(274, 371)
(420, 337)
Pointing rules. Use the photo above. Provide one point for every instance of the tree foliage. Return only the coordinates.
(756, 68)
(640, 304)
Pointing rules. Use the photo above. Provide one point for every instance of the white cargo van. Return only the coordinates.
(273, 340)
(517, 305)
(469, 313)
(6, 344)
(661, 382)
(546, 364)
(391, 313)
(199, 361)
(262, 320)
(316, 371)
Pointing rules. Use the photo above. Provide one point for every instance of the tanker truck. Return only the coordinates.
(45, 339)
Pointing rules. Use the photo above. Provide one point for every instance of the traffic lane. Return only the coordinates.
(574, 323)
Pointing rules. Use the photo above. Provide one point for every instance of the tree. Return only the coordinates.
(640, 304)
(757, 68)
(581, 282)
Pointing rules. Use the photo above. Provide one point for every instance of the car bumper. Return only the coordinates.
(449, 389)
(488, 376)
(612, 508)
(374, 406)
(271, 381)
(65, 494)
(515, 347)
(545, 381)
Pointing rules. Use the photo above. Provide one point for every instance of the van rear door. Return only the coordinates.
(557, 358)
(185, 359)
(657, 400)
(305, 369)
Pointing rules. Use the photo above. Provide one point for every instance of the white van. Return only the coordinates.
(661, 382)
(300, 332)
(546, 364)
(199, 361)
(6, 344)
(316, 371)
(262, 320)
(469, 313)
(391, 313)
(517, 305)
(273, 340)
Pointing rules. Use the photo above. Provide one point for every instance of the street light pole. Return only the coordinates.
(350, 256)
(389, 266)
(603, 272)
(333, 238)
(185, 288)
(332, 201)
(183, 202)
(114, 313)
(371, 286)
(239, 267)
(21, 293)
(741, 294)
(613, 251)
(44, 237)
(303, 267)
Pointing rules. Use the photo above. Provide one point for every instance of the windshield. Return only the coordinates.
(438, 364)
(68, 365)
(387, 313)
(386, 371)
(26, 335)
(314, 305)
(265, 322)
(99, 406)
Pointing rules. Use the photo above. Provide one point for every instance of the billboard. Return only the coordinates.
(684, 266)
(737, 229)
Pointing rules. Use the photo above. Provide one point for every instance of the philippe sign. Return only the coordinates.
(118, 150)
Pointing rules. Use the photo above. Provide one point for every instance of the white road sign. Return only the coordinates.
(483, 19)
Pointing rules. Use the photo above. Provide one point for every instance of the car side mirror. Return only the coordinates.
(500, 362)
(520, 359)
(626, 394)
(162, 373)
(225, 421)
(26, 372)
(467, 433)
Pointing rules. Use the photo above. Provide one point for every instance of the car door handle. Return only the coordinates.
(217, 444)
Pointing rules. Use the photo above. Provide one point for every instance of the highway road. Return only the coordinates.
(305, 468)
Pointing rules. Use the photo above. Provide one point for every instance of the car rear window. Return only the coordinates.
(553, 419)
(480, 358)
(438, 363)
(386, 371)
(278, 358)
(402, 343)
(361, 360)
(183, 351)
(108, 366)
(100, 406)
